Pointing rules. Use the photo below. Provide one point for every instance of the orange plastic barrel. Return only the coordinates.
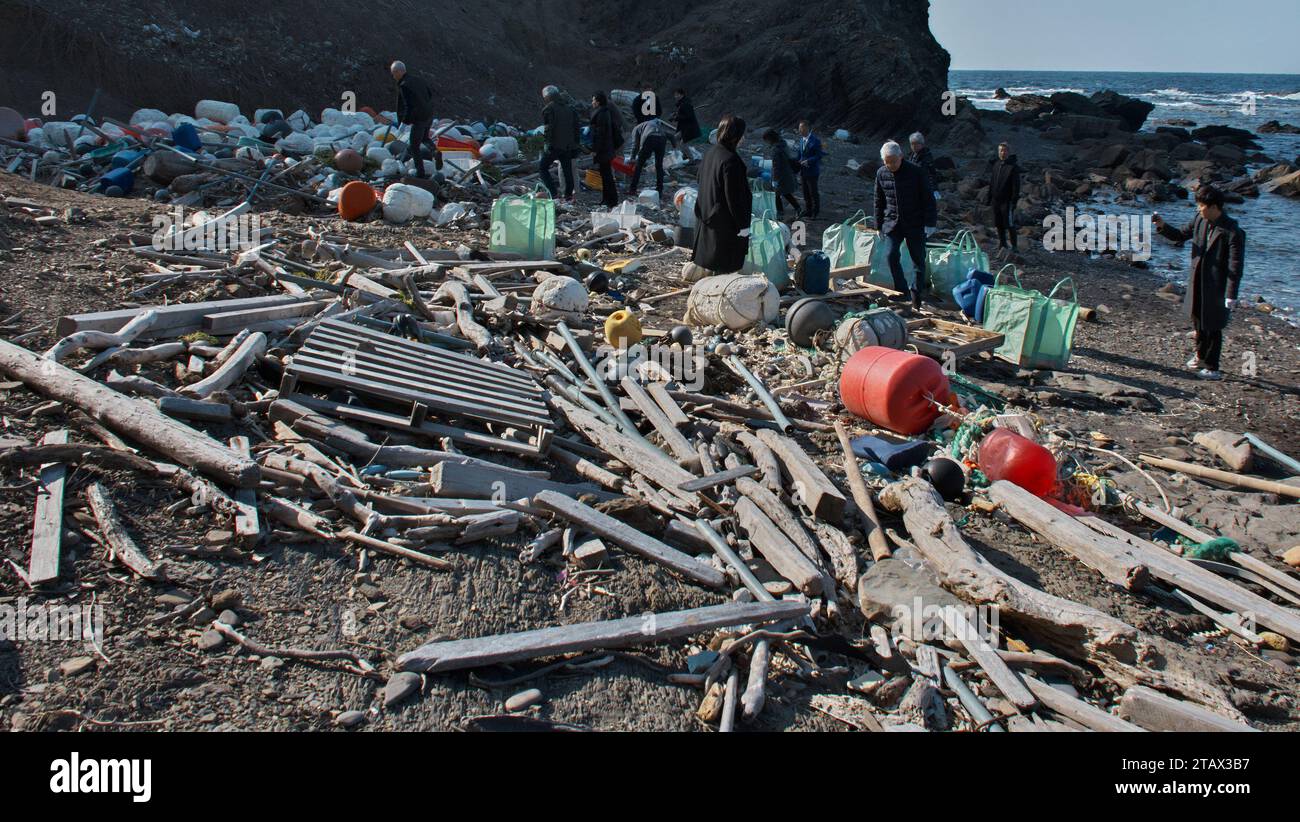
(893, 389)
(356, 200)
(1005, 455)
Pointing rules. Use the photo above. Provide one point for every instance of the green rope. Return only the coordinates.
(1216, 549)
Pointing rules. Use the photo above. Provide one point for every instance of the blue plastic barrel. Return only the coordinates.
(123, 178)
(816, 268)
(187, 136)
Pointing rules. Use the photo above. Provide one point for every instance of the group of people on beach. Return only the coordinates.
(906, 194)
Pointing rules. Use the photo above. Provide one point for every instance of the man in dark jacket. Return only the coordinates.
(606, 139)
(651, 138)
(810, 169)
(725, 204)
(688, 126)
(905, 214)
(782, 171)
(560, 127)
(415, 107)
(1004, 193)
(923, 157)
(1218, 259)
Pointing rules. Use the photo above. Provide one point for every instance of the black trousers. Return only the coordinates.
(608, 187)
(652, 145)
(1002, 219)
(1209, 346)
(549, 156)
(419, 137)
(915, 240)
(812, 198)
(788, 198)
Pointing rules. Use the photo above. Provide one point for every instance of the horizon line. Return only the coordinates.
(1134, 71)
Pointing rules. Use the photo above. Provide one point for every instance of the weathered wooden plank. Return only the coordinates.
(220, 323)
(630, 539)
(457, 654)
(1113, 559)
(1090, 716)
(659, 393)
(811, 486)
(777, 549)
(124, 548)
(172, 320)
(720, 478)
(247, 523)
(676, 442)
(47, 528)
(1006, 680)
(482, 482)
(195, 409)
(1158, 712)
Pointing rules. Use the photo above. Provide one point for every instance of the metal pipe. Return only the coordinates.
(574, 394)
(611, 402)
(722, 549)
(1272, 453)
(970, 701)
(763, 394)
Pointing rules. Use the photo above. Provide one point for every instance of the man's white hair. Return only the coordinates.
(891, 149)
(917, 138)
(398, 65)
(550, 91)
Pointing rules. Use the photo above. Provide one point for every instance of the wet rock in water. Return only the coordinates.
(1274, 127)
(400, 686)
(524, 699)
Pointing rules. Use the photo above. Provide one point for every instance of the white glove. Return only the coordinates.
(929, 230)
(1230, 304)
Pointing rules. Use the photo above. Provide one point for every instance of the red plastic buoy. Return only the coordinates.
(349, 161)
(356, 200)
(893, 389)
(1005, 455)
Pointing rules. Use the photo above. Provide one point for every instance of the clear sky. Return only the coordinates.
(1230, 36)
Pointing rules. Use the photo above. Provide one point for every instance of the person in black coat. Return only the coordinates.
(1218, 259)
(415, 107)
(560, 128)
(606, 140)
(1004, 193)
(725, 205)
(923, 157)
(783, 168)
(684, 119)
(905, 215)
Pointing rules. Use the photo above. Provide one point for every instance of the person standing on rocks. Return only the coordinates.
(725, 204)
(688, 125)
(810, 169)
(415, 107)
(1218, 259)
(650, 139)
(1004, 193)
(606, 139)
(923, 157)
(560, 127)
(783, 169)
(905, 214)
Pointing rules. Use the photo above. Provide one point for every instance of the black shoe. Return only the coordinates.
(916, 300)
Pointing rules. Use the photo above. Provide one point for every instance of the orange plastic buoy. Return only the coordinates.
(356, 200)
(893, 389)
(1005, 455)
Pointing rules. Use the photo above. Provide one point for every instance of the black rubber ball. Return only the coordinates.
(946, 476)
(681, 335)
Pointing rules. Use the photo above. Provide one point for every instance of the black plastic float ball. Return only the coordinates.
(597, 282)
(946, 476)
(681, 335)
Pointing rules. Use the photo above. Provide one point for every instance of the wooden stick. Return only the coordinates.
(763, 458)
(232, 369)
(1157, 712)
(1227, 477)
(129, 417)
(811, 486)
(453, 655)
(100, 339)
(247, 524)
(678, 444)
(862, 496)
(1003, 677)
(784, 556)
(110, 527)
(1085, 714)
(47, 528)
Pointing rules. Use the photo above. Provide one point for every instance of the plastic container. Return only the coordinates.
(894, 389)
(122, 178)
(187, 136)
(814, 271)
(1005, 455)
(447, 143)
(622, 166)
(215, 110)
(356, 200)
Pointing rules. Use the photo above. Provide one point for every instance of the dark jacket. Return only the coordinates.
(904, 199)
(722, 210)
(606, 133)
(810, 155)
(688, 127)
(560, 125)
(783, 169)
(1218, 259)
(1004, 182)
(414, 100)
(925, 159)
(654, 127)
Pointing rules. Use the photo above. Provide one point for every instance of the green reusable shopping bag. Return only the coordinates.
(880, 263)
(949, 264)
(1038, 331)
(524, 225)
(849, 243)
(767, 252)
(764, 201)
